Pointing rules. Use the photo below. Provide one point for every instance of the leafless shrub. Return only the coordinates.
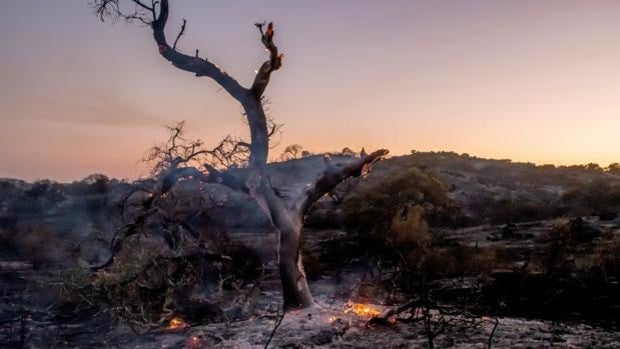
(148, 286)
(180, 151)
(291, 152)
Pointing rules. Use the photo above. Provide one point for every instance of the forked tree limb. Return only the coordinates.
(181, 32)
(332, 176)
(193, 64)
(249, 98)
(202, 67)
(274, 63)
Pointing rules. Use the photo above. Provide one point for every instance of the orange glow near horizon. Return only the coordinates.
(532, 81)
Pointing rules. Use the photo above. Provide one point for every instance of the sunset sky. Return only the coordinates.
(531, 81)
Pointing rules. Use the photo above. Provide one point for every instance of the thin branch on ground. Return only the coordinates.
(275, 328)
(490, 341)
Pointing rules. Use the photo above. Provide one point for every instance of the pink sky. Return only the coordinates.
(532, 81)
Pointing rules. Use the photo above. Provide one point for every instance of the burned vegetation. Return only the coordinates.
(392, 258)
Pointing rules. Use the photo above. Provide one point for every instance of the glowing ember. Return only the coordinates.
(176, 323)
(361, 309)
(193, 342)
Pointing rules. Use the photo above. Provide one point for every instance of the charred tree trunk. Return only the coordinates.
(288, 225)
(294, 283)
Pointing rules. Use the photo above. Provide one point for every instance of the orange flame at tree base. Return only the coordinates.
(176, 323)
(361, 309)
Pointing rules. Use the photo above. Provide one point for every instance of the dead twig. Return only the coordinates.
(384, 317)
(490, 342)
(275, 328)
(174, 47)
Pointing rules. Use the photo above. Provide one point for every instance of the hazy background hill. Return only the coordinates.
(81, 216)
(485, 190)
(501, 191)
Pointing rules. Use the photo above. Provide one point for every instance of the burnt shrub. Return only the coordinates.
(575, 271)
(523, 209)
(392, 217)
(39, 246)
(149, 285)
(599, 197)
(572, 231)
(33, 199)
(607, 257)
(395, 212)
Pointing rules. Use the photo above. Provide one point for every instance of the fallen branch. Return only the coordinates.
(490, 342)
(275, 328)
(384, 317)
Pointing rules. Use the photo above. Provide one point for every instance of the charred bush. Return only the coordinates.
(395, 212)
(598, 197)
(576, 271)
(148, 288)
(39, 246)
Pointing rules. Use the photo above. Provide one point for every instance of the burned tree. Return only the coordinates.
(291, 152)
(286, 214)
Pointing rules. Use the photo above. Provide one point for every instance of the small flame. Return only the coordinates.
(361, 309)
(176, 323)
(193, 342)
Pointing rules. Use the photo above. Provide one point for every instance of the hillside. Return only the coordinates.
(535, 247)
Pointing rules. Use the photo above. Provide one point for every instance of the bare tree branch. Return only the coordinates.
(112, 9)
(332, 176)
(274, 63)
(144, 6)
(178, 151)
(490, 340)
(174, 47)
(196, 65)
(277, 324)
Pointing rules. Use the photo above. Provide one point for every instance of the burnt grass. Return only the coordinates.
(558, 294)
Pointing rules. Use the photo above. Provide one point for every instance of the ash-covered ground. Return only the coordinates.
(31, 317)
